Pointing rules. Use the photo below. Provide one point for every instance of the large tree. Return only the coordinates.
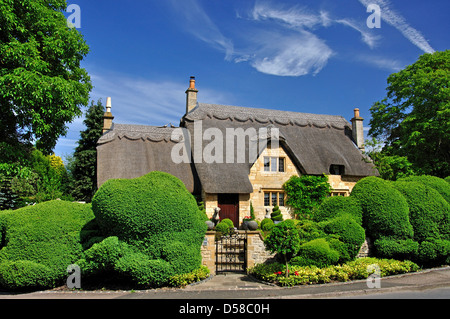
(42, 86)
(84, 162)
(414, 119)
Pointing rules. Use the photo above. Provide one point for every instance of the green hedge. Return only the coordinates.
(429, 212)
(385, 210)
(338, 205)
(39, 243)
(437, 183)
(158, 220)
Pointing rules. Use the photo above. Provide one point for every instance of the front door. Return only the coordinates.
(229, 207)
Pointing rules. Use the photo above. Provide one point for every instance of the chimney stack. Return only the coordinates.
(358, 130)
(107, 117)
(191, 96)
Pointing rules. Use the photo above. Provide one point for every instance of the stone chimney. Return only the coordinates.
(358, 130)
(107, 117)
(191, 96)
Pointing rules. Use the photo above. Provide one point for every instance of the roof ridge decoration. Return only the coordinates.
(266, 116)
(143, 132)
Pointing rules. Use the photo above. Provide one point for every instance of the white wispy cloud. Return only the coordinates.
(381, 62)
(291, 55)
(198, 23)
(396, 20)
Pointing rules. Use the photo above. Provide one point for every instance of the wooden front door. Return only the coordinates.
(229, 207)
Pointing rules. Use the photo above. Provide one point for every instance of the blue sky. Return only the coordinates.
(314, 56)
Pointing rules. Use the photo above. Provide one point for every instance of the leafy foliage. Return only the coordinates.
(414, 118)
(284, 239)
(158, 222)
(83, 167)
(39, 242)
(42, 86)
(306, 192)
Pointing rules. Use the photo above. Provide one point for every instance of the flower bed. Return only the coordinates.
(354, 270)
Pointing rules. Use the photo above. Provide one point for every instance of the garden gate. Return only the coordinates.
(231, 253)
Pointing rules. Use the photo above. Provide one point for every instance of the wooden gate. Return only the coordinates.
(231, 253)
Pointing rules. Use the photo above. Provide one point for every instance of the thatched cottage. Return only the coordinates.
(233, 156)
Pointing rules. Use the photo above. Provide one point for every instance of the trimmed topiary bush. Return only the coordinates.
(429, 212)
(158, 220)
(400, 249)
(385, 210)
(432, 181)
(336, 206)
(225, 226)
(39, 243)
(349, 232)
(267, 224)
(317, 253)
(276, 214)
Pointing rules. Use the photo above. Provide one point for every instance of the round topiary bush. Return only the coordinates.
(385, 210)
(267, 224)
(157, 217)
(429, 212)
(336, 206)
(348, 231)
(39, 243)
(317, 253)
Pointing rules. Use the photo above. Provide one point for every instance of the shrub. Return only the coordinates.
(447, 179)
(158, 219)
(309, 230)
(434, 252)
(348, 231)
(385, 210)
(267, 224)
(316, 252)
(276, 214)
(39, 243)
(225, 226)
(429, 212)
(338, 205)
(306, 192)
(432, 181)
(396, 248)
(284, 239)
(189, 278)
(353, 270)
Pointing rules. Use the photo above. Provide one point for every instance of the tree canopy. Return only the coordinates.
(413, 120)
(42, 86)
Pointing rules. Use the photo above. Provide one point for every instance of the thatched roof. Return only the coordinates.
(313, 142)
(130, 151)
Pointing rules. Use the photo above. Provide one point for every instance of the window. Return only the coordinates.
(337, 170)
(272, 198)
(266, 199)
(281, 164)
(274, 164)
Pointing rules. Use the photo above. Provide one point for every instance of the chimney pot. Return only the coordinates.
(108, 104)
(356, 112)
(107, 117)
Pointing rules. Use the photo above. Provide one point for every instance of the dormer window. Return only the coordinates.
(337, 169)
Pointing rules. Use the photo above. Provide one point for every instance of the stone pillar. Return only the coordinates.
(208, 251)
